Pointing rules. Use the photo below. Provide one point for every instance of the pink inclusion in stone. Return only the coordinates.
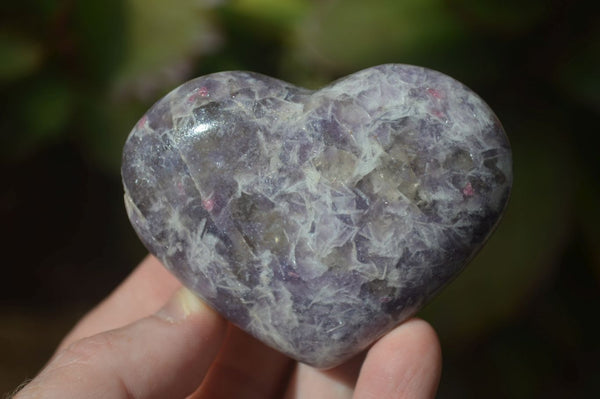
(208, 204)
(468, 190)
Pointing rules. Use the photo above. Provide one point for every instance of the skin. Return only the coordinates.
(140, 344)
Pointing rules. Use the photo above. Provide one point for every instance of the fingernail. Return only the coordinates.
(182, 305)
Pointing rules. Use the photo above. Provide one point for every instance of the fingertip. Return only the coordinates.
(183, 304)
(421, 336)
(405, 363)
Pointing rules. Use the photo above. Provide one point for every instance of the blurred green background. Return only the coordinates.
(521, 322)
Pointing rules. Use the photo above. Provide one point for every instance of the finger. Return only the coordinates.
(146, 289)
(165, 355)
(245, 368)
(337, 383)
(406, 363)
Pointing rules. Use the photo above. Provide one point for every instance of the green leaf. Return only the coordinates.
(105, 125)
(20, 56)
(348, 35)
(280, 13)
(99, 27)
(41, 115)
(163, 40)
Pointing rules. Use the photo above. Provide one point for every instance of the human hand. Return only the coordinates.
(134, 346)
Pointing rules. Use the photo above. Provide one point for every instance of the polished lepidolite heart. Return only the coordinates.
(317, 220)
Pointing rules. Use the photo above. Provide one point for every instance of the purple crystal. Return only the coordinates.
(317, 220)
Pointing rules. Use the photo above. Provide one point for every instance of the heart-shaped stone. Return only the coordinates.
(317, 220)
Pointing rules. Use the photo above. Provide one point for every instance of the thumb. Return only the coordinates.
(163, 355)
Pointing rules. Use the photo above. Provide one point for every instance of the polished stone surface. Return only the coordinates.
(317, 221)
